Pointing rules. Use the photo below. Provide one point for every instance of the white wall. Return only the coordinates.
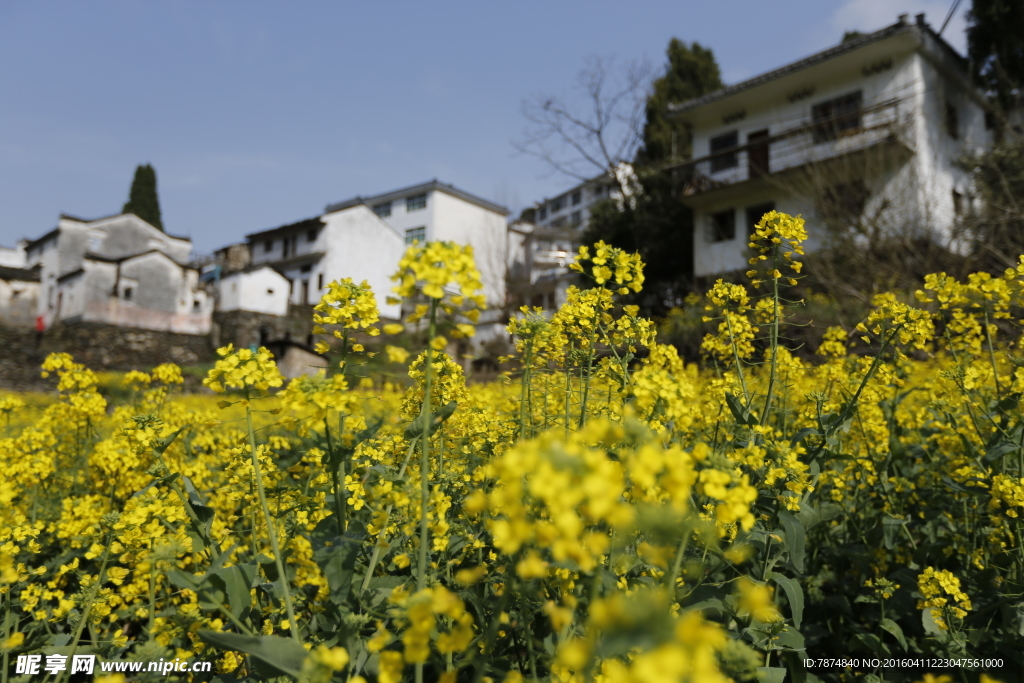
(361, 246)
(262, 291)
(486, 231)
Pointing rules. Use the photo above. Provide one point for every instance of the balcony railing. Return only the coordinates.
(804, 144)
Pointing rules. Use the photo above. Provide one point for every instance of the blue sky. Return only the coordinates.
(256, 114)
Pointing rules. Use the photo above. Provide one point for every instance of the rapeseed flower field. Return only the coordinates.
(605, 513)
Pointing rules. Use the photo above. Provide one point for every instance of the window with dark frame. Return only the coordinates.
(557, 204)
(383, 209)
(320, 281)
(577, 197)
(416, 235)
(836, 117)
(722, 226)
(306, 268)
(416, 202)
(756, 213)
(128, 293)
(542, 213)
(268, 246)
(311, 235)
(720, 159)
(952, 121)
(958, 204)
(576, 219)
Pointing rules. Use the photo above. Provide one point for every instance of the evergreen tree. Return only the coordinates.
(656, 224)
(995, 46)
(142, 199)
(691, 72)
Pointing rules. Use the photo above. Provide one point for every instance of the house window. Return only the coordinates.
(320, 281)
(755, 213)
(722, 226)
(720, 159)
(542, 213)
(128, 293)
(383, 209)
(284, 247)
(196, 305)
(305, 291)
(268, 246)
(416, 202)
(835, 117)
(416, 235)
(952, 121)
(311, 235)
(577, 197)
(557, 204)
(306, 269)
(599, 190)
(576, 218)
(558, 223)
(270, 292)
(958, 203)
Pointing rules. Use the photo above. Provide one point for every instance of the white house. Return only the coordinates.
(19, 295)
(118, 270)
(544, 241)
(867, 132)
(257, 288)
(436, 211)
(350, 241)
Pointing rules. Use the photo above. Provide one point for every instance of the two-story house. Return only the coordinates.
(862, 138)
(118, 270)
(544, 241)
(435, 211)
(292, 264)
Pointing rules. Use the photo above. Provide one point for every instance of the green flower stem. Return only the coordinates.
(774, 338)
(375, 557)
(271, 530)
(338, 483)
(524, 389)
(421, 578)
(84, 619)
(586, 380)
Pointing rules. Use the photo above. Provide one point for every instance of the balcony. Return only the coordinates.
(769, 160)
(552, 257)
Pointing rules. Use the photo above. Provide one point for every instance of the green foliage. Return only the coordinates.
(691, 72)
(142, 199)
(995, 46)
(998, 229)
(654, 223)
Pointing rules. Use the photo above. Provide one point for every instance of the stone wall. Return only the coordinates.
(246, 328)
(98, 346)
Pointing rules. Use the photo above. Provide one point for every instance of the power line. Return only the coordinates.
(952, 11)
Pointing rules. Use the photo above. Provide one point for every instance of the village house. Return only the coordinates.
(435, 211)
(543, 242)
(118, 270)
(863, 137)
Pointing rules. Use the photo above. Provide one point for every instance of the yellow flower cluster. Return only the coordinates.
(778, 236)
(433, 266)
(611, 265)
(941, 592)
(241, 369)
(348, 306)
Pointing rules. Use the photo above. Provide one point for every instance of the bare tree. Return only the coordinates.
(596, 130)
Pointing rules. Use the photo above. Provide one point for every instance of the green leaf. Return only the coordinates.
(235, 582)
(890, 529)
(281, 656)
(435, 421)
(795, 538)
(999, 450)
(338, 562)
(771, 674)
(795, 595)
(870, 642)
(892, 627)
(742, 415)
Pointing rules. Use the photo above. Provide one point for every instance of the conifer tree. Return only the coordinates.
(142, 199)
